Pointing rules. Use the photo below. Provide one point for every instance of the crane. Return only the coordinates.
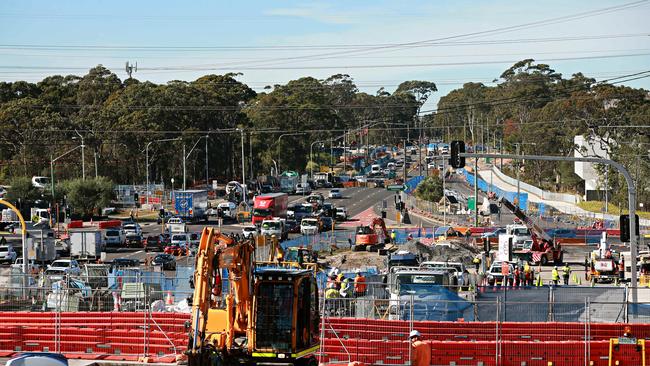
(269, 315)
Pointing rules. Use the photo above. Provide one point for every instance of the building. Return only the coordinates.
(595, 184)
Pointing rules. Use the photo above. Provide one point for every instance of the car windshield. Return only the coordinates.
(179, 238)
(271, 225)
(250, 229)
(60, 264)
(309, 222)
(262, 212)
(4, 249)
(163, 256)
(520, 231)
(112, 233)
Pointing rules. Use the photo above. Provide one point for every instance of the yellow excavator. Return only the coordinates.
(268, 314)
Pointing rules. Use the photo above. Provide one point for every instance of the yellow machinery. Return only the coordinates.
(616, 343)
(269, 314)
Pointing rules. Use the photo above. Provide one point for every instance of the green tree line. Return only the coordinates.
(529, 103)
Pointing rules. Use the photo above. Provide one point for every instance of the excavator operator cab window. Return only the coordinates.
(274, 316)
(307, 311)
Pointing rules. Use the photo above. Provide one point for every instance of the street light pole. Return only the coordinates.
(146, 154)
(279, 145)
(52, 160)
(83, 156)
(311, 159)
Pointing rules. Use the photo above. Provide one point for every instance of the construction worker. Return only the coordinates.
(477, 263)
(420, 351)
(339, 281)
(621, 269)
(528, 276)
(555, 276)
(332, 292)
(360, 285)
(393, 236)
(517, 276)
(566, 272)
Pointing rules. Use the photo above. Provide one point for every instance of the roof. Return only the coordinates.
(281, 272)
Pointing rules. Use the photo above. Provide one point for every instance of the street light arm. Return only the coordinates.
(66, 153)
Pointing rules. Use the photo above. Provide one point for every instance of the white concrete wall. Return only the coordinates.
(545, 195)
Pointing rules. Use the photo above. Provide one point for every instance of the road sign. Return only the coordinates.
(396, 187)
(471, 203)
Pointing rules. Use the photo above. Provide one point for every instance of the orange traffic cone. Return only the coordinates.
(170, 299)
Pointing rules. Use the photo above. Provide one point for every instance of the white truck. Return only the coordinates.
(275, 227)
(176, 225)
(87, 244)
(44, 245)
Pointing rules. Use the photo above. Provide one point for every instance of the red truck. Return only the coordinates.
(270, 205)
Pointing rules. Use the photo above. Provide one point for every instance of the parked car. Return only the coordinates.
(166, 261)
(249, 231)
(335, 193)
(38, 358)
(31, 266)
(7, 254)
(68, 266)
(495, 273)
(494, 234)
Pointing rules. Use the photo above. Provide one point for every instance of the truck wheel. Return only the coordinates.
(357, 248)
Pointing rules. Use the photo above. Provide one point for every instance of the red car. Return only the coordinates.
(176, 250)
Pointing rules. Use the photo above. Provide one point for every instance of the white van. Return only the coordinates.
(176, 225)
(228, 210)
(40, 182)
(391, 166)
(375, 169)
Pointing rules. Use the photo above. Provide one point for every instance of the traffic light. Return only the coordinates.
(457, 161)
(624, 225)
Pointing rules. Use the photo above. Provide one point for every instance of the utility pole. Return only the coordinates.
(83, 156)
(95, 153)
(207, 176)
(475, 192)
(183, 166)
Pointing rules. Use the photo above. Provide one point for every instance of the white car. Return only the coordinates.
(133, 229)
(303, 188)
(431, 166)
(114, 237)
(31, 266)
(341, 213)
(69, 266)
(249, 231)
(181, 239)
(7, 254)
(309, 226)
(335, 193)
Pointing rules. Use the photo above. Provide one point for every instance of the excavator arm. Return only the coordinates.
(379, 222)
(212, 326)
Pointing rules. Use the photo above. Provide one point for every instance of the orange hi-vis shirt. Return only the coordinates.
(360, 284)
(421, 355)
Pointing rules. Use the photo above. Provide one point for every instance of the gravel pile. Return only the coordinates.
(449, 250)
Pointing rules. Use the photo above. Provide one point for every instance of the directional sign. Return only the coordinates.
(396, 187)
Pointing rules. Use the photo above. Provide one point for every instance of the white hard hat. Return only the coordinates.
(414, 333)
(357, 271)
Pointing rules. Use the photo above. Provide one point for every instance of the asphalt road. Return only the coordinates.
(356, 200)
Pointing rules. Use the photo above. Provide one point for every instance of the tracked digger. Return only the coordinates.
(267, 315)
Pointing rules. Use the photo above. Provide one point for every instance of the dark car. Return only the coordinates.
(153, 242)
(293, 226)
(124, 262)
(166, 261)
(326, 223)
(133, 240)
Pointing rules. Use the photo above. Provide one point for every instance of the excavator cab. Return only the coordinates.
(285, 300)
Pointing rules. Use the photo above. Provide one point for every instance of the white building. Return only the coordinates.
(591, 147)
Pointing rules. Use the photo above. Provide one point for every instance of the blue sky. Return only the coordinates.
(276, 41)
